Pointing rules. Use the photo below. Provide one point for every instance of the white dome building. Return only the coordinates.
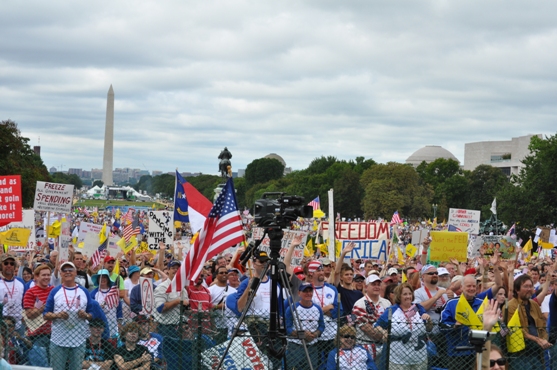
(429, 153)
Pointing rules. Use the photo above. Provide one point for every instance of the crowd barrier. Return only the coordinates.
(199, 339)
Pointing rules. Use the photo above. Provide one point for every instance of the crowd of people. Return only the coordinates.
(349, 314)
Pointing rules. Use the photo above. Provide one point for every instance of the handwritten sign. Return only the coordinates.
(464, 220)
(53, 197)
(370, 238)
(10, 199)
(446, 245)
(28, 222)
(161, 229)
(147, 297)
(297, 254)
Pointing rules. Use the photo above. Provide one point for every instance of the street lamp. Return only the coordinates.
(434, 210)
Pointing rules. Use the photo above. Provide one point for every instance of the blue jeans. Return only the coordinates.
(60, 355)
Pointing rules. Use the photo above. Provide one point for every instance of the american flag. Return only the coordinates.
(99, 254)
(315, 204)
(396, 219)
(112, 297)
(128, 217)
(222, 229)
(130, 231)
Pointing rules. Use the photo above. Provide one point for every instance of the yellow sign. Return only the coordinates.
(446, 245)
(15, 237)
(411, 250)
(545, 245)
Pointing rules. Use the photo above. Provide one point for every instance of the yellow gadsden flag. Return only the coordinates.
(515, 340)
(309, 250)
(126, 247)
(466, 315)
(15, 237)
(480, 314)
(411, 250)
(54, 229)
(528, 246)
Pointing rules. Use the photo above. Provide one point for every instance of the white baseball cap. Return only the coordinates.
(372, 278)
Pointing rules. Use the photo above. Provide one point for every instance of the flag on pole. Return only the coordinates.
(128, 217)
(466, 315)
(316, 204)
(515, 340)
(130, 231)
(493, 208)
(101, 250)
(112, 297)
(189, 204)
(395, 220)
(512, 230)
(528, 246)
(222, 229)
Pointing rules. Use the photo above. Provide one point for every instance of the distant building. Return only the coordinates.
(96, 173)
(156, 173)
(429, 153)
(53, 170)
(75, 171)
(506, 155)
(37, 150)
(242, 172)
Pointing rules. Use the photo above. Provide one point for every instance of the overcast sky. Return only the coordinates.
(378, 79)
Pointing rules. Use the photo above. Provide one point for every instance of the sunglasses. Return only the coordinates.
(501, 361)
(223, 273)
(329, 265)
(432, 273)
(67, 270)
(348, 336)
(9, 263)
(206, 267)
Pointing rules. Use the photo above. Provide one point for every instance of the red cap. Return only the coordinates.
(471, 271)
(109, 258)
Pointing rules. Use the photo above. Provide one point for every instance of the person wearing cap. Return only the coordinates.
(219, 291)
(109, 263)
(101, 294)
(136, 304)
(98, 351)
(366, 311)
(234, 277)
(33, 304)
(200, 304)
(350, 355)
(430, 296)
(11, 289)
(131, 281)
(311, 322)
(343, 280)
(69, 307)
(299, 273)
(393, 273)
(325, 296)
(167, 305)
(327, 268)
(152, 341)
(360, 283)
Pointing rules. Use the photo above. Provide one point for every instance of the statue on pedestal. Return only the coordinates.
(224, 157)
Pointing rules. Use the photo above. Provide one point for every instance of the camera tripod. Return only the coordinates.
(278, 275)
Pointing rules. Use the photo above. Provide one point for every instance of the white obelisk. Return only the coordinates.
(108, 139)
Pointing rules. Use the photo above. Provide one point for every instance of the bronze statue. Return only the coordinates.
(224, 157)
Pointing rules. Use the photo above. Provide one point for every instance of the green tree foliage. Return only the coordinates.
(64, 178)
(17, 158)
(485, 182)
(530, 199)
(262, 170)
(206, 184)
(99, 183)
(394, 186)
(145, 183)
(164, 184)
(320, 165)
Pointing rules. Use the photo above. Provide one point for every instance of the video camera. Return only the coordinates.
(280, 210)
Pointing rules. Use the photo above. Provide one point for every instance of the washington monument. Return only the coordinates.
(108, 139)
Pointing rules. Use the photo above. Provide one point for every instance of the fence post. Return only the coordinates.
(388, 343)
(337, 340)
(199, 340)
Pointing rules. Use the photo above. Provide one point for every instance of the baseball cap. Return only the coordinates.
(314, 266)
(234, 270)
(373, 272)
(7, 256)
(66, 263)
(372, 278)
(359, 277)
(425, 268)
(326, 261)
(304, 287)
(387, 278)
(108, 259)
(442, 271)
(174, 263)
(132, 270)
(262, 256)
(392, 270)
(145, 271)
(362, 265)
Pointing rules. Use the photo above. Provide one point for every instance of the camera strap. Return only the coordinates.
(429, 295)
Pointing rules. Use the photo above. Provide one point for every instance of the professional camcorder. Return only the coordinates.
(279, 209)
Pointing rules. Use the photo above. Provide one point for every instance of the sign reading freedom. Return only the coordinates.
(370, 238)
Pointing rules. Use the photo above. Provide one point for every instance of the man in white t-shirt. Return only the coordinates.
(430, 296)
(11, 290)
(219, 291)
(366, 311)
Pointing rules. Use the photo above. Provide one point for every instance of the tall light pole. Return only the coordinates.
(434, 210)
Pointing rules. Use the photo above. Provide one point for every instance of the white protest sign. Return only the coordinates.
(88, 227)
(297, 254)
(161, 229)
(243, 354)
(27, 222)
(419, 236)
(147, 297)
(52, 197)
(90, 244)
(112, 248)
(464, 220)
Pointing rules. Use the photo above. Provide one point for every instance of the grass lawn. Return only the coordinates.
(104, 203)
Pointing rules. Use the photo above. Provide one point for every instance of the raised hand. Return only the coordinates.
(491, 315)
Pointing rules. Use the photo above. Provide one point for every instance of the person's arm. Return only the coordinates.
(244, 295)
(160, 300)
(297, 240)
(336, 275)
(496, 274)
(160, 261)
(133, 258)
(180, 247)
(490, 317)
(423, 258)
(133, 364)
(431, 301)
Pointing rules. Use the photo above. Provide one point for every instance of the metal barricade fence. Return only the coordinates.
(199, 339)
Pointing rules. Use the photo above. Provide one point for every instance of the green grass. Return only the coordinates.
(104, 203)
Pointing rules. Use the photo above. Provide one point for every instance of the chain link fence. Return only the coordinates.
(199, 341)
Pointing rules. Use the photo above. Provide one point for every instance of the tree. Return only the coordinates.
(64, 178)
(99, 183)
(17, 158)
(262, 170)
(485, 182)
(206, 184)
(394, 186)
(530, 199)
(348, 194)
(320, 165)
(164, 184)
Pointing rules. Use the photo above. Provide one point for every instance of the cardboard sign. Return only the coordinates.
(297, 254)
(465, 220)
(53, 197)
(370, 238)
(418, 236)
(147, 296)
(243, 354)
(446, 245)
(10, 199)
(161, 229)
(505, 245)
(28, 222)
(88, 227)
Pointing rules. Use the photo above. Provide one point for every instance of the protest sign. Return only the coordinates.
(88, 227)
(53, 197)
(147, 297)
(297, 254)
(370, 238)
(10, 199)
(161, 229)
(243, 354)
(90, 244)
(505, 245)
(418, 236)
(446, 245)
(28, 222)
(464, 220)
